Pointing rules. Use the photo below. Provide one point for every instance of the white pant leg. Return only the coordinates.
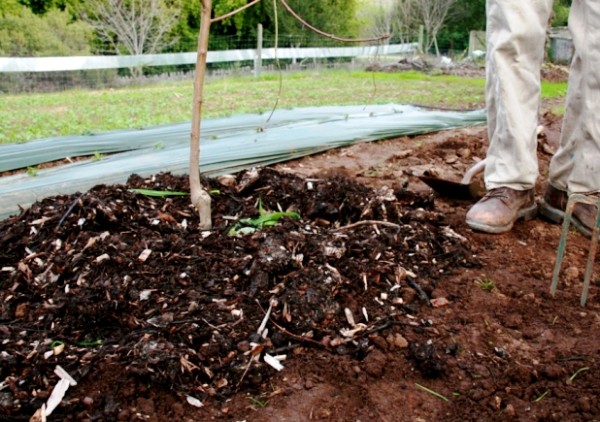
(576, 165)
(516, 35)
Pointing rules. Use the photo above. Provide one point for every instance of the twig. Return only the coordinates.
(66, 214)
(412, 283)
(246, 370)
(294, 336)
(367, 222)
(277, 63)
(325, 34)
(230, 14)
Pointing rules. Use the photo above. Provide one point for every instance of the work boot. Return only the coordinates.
(498, 210)
(554, 204)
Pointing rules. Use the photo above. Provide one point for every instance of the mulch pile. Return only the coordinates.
(115, 277)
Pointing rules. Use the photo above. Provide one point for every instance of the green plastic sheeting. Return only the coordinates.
(228, 145)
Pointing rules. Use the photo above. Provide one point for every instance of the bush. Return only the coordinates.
(53, 34)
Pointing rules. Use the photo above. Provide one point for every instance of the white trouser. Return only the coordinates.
(516, 35)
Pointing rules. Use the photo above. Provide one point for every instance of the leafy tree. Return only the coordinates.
(332, 16)
(465, 16)
(561, 12)
(9, 7)
(39, 7)
(53, 34)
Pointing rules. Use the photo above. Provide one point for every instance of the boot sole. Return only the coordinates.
(524, 213)
(556, 215)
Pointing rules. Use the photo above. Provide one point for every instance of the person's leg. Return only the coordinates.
(575, 168)
(516, 35)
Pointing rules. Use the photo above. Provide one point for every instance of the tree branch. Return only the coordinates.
(325, 34)
(236, 11)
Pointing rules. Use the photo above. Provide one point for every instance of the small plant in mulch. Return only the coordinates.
(486, 284)
(264, 219)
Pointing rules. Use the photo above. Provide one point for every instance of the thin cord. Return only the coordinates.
(277, 64)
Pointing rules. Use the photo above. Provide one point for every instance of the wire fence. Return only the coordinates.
(228, 56)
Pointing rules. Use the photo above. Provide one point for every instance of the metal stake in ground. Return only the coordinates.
(573, 200)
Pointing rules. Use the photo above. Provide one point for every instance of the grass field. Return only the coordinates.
(31, 116)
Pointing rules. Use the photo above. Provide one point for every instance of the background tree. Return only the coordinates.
(133, 26)
(406, 19)
(465, 16)
(433, 14)
(376, 18)
(331, 16)
(561, 12)
(54, 34)
(9, 7)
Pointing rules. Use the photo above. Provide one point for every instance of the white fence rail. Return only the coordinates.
(56, 64)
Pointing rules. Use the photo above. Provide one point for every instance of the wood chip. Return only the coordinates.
(144, 255)
(273, 362)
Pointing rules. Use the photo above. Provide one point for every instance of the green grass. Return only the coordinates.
(31, 116)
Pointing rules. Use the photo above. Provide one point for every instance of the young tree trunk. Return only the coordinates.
(200, 198)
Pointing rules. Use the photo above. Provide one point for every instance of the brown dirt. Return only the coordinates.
(140, 334)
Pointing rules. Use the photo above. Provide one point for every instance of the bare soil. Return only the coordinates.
(380, 303)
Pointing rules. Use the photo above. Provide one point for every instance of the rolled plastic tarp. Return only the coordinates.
(228, 145)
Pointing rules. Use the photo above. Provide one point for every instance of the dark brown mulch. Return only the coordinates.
(186, 317)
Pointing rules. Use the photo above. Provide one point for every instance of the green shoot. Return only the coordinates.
(56, 343)
(158, 193)
(541, 397)
(433, 393)
(572, 377)
(264, 219)
(485, 284)
(258, 402)
(98, 156)
(32, 171)
(94, 343)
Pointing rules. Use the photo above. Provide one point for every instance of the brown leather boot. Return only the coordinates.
(498, 210)
(554, 204)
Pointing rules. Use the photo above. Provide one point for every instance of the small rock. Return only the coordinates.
(584, 404)
(510, 410)
(571, 274)
(22, 310)
(380, 342)
(88, 401)
(450, 159)
(439, 302)
(375, 363)
(464, 152)
(228, 180)
(400, 342)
